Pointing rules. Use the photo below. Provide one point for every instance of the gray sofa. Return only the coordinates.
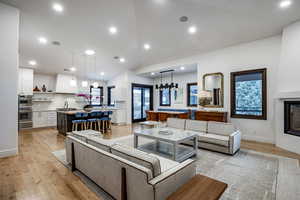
(123, 171)
(216, 136)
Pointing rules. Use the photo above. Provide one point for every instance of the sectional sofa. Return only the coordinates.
(125, 172)
(216, 136)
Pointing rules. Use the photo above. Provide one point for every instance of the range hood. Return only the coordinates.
(66, 84)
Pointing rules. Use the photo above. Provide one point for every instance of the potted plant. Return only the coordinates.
(88, 107)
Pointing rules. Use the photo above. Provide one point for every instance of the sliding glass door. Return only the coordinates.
(142, 100)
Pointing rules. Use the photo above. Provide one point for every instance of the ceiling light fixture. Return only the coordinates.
(42, 40)
(113, 30)
(102, 73)
(73, 83)
(32, 62)
(152, 73)
(89, 52)
(122, 60)
(58, 7)
(84, 84)
(182, 68)
(285, 3)
(170, 85)
(192, 29)
(73, 69)
(95, 84)
(147, 46)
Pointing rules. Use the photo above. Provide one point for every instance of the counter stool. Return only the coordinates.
(106, 121)
(93, 122)
(79, 121)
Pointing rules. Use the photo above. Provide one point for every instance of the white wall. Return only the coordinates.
(182, 80)
(9, 40)
(125, 81)
(254, 55)
(288, 84)
(258, 54)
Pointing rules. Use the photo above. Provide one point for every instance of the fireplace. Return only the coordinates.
(292, 117)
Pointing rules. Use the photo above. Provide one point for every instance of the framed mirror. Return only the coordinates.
(213, 90)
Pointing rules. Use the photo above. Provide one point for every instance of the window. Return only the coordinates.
(249, 94)
(96, 96)
(110, 96)
(192, 94)
(165, 97)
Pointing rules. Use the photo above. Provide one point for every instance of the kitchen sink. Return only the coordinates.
(66, 109)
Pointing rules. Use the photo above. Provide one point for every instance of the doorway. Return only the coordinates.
(142, 100)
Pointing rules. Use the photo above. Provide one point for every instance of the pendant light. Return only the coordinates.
(85, 83)
(170, 85)
(73, 82)
(95, 84)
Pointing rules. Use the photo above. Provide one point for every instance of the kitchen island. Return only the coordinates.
(65, 118)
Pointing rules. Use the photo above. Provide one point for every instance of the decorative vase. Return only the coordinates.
(88, 108)
(36, 89)
(44, 89)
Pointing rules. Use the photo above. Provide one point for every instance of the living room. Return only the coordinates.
(124, 112)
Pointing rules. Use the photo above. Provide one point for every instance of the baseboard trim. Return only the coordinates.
(258, 139)
(8, 152)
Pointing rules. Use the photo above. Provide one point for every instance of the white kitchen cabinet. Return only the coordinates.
(52, 118)
(118, 116)
(66, 84)
(120, 94)
(25, 81)
(44, 119)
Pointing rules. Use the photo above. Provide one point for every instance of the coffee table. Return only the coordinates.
(168, 145)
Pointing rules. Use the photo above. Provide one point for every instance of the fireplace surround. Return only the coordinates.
(292, 118)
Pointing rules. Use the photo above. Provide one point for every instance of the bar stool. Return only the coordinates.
(93, 122)
(106, 121)
(79, 121)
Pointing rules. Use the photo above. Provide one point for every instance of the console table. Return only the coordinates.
(211, 116)
(164, 115)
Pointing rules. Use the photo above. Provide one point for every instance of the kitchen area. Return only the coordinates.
(45, 98)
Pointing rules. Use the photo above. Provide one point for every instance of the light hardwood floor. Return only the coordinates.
(35, 174)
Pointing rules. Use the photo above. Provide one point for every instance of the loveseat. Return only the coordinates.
(125, 172)
(216, 136)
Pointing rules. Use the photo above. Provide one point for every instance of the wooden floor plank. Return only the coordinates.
(36, 174)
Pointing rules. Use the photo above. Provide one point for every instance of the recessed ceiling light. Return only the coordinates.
(32, 62)
(183, 19)
(73, 69)
(285, 3)
(42, 40)
(147, 46)
(182, 68)
(122, 60)
(90, 52)
(152, 73)
(113, 30)
(192, 29)
(58, 7)
(102, 73)
(56, 43)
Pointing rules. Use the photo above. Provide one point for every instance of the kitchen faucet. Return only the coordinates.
(66, 106)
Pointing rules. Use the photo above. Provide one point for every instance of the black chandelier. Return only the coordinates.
(167, 85)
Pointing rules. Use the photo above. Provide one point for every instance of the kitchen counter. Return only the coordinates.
(73, 112)
(65, 118)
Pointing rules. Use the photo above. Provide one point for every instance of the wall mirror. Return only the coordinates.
(213, 87)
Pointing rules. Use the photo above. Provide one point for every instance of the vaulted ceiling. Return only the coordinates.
(84, 25)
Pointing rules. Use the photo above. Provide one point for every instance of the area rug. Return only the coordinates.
(250, 175)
